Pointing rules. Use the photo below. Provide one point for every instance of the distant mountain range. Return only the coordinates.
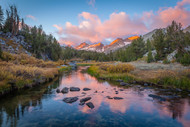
(113, 46)
(118, 43)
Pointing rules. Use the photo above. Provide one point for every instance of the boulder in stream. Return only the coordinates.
(90, 105)
(109, 97)
(65, 90)
(70, 99)
(74, 89)
(117, 98)
(58, 91)
(124, 84)
(86, 89)
(85, 99)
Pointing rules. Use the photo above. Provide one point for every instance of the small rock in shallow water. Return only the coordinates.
(117, 98)
(85, 99)
(124, 84)
(86, 89)
(58, 91)
(178, 90)
(96, 91)
(83, 93)
(70, 99)
(116, 92)
(90, 105)
(121, 89)
(65, 90)
(109, 97)
(74, 89)
(81, 103)
(102, 91)
(119, 80)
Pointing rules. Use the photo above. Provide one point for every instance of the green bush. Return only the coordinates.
(185, 59)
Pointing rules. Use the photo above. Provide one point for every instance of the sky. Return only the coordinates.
(75, 21)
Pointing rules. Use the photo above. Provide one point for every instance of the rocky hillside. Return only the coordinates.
(187, 29)
(113, 46)
(14, 44)
(150, 34)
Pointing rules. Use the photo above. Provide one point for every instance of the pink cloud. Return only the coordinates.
(92, 29)
(59, 28)
(164, 16)
(31, 17)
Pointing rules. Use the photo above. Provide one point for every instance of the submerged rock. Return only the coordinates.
(90, 105)
(178, 90)
(70, 99)
(124, 84)
(119, 80)
(157, 97)
(117, 98)
(74, 89)
(65, 90)
(85, 99)
(81, 103)
(109, 97)
(86, 89)
(83, 93)
(96, 91)
(58, 91)
(170, 96)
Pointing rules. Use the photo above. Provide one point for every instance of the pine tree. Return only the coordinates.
(1, 18)
(150, 57)
(12, 20)
(159, 44)
(174, 37)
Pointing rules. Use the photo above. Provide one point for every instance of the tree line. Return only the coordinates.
(164, 42)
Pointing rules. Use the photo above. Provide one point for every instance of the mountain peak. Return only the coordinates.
(82, 45)
(133, 38)
(115, 41)
(96, 45)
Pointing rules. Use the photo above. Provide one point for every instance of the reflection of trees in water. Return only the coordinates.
(12, 108)
(177, 108)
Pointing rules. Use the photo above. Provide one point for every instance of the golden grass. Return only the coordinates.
(22, 70)
(117, 68)
(168, 78)
(112, 72)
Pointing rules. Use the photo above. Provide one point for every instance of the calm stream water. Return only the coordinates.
(43, 107)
